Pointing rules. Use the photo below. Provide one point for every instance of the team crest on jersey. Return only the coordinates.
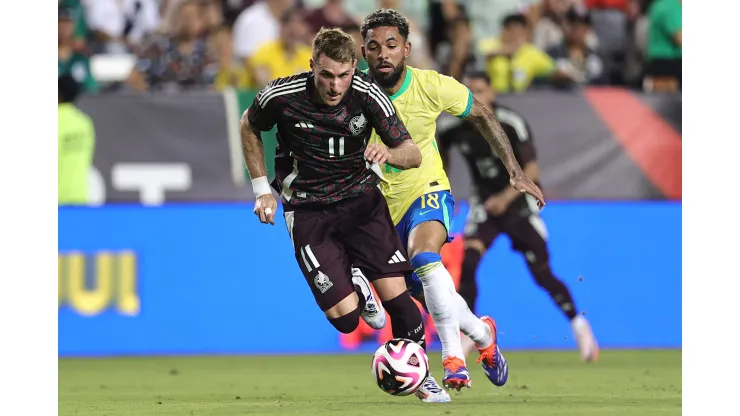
(322, 282)
(357, 124)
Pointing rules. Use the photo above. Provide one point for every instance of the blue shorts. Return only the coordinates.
(434, 206)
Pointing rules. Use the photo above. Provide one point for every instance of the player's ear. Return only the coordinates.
(364, 53)
(407, 49)
(354, 65)
(310, 63)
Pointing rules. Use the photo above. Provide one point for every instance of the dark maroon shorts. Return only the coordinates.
(356, 232)
(521, 222)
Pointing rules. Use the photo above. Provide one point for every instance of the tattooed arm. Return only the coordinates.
(491, 129)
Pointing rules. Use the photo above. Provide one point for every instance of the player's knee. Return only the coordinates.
(424, 259)
(537, 260)
(539, 267)
(347, 323)
(428, 236)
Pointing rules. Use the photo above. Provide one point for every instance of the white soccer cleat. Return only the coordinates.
(585, 339)
(374, 313)
(431, 392)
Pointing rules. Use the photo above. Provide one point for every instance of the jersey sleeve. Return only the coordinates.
(381, 114)
(454, 97)
(263, 114)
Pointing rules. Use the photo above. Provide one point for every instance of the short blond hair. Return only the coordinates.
(335, 43)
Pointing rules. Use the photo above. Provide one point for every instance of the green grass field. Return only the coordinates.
(540, 383)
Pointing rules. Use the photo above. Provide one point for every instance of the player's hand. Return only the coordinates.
(523, 184)
(377, 153)
(498, 204)
(265, 208)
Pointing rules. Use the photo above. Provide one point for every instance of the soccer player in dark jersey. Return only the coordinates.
(495, 207)
(337, 218)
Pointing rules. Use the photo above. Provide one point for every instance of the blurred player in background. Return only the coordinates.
(76, 145)
(420, 201)
(335, 213)
(496, 207)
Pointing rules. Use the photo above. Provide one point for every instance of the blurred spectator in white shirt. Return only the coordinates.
(232, 9)
(179, 58)
(257, 25)
(119, 25)
(548, 32)
(573, 56)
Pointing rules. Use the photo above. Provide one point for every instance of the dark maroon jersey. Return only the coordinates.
(320, 156)
(488, 171)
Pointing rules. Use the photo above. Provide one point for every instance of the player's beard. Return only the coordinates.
(390, 79)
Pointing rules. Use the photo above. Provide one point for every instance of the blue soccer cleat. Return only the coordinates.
(456, 374)
(494, 363)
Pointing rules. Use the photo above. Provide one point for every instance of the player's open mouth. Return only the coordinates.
(333, 95)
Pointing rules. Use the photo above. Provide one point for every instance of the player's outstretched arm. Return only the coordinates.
(254, 157)
(491, 129)
(405, 155)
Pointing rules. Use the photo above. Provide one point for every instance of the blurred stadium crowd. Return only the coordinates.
(171, 45)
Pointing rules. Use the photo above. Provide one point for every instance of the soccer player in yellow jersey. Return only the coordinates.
(419, 199)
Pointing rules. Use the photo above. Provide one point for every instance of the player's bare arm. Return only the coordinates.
(404, 156)
(491, 129)
(254, 157)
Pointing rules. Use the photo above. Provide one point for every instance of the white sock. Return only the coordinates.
(439, 293)
(470, 325)
(578, 322)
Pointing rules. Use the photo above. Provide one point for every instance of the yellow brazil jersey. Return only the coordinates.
(422, 97)
(517, 73)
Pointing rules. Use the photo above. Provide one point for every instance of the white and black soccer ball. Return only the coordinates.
(400, 367)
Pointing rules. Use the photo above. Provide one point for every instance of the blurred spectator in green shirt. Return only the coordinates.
(71, 61)
(664, 52)
(78, 17)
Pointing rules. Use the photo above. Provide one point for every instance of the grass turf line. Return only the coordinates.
(540, 383)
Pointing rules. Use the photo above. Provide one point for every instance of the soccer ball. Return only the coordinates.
(400, 367)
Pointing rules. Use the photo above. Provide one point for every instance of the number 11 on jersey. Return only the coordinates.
(336, 147)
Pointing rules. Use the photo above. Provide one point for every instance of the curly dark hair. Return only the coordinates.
(385, 17)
